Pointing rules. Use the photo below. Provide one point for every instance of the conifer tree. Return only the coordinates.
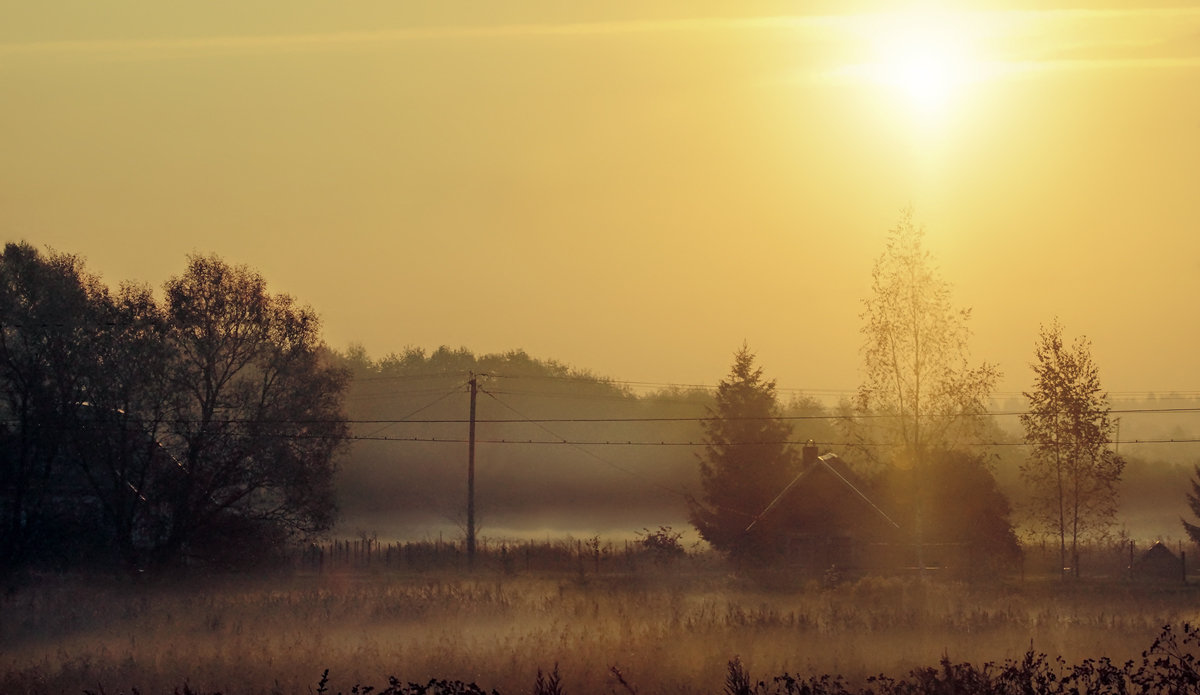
(1193, 500)
(747, 461)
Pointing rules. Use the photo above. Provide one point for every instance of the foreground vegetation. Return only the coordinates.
(682, 626)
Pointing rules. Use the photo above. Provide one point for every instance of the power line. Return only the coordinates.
(578, 446)
(559, 440)
(418, 410)
(427, 376)
(570, 442)
(407, 419)
(996, 395)
(780, 418)
(625, 397)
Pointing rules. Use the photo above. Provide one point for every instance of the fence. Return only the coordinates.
(591, 556)
(1123, 560)
(1157, 562)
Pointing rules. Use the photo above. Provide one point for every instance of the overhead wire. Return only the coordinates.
(408, 418)
(698, 418)
(794, 442)
(427, 406)
(996, 395)
(666, 488)
(579, 446)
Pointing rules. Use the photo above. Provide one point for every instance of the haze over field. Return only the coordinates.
(596, 283)
(631, 188)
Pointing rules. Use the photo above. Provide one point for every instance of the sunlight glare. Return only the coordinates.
(924, 58)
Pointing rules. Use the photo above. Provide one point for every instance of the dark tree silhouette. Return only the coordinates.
(1071, 472)
(117, 446)
(47, 317)
(201, 428)
(1193, 500)
(259, 419)
(746, 463)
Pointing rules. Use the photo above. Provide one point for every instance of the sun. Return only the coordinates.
(925, 59)
(926, 77)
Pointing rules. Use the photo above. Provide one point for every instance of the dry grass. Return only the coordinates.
(672, 629)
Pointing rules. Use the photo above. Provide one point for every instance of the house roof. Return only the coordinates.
(833, 465)
(1158, 551)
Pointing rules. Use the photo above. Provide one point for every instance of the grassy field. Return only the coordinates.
(666, 628)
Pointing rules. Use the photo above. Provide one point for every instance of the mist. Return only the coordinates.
(636, 347)
(617, 458)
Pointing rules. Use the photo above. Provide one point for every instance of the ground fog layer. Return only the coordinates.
(672, 629)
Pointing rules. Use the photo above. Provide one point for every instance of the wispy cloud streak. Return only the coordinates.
(359, 38)
(1057, 23)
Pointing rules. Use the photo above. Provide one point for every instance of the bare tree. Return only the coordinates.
(1072, 473)
(920, 393)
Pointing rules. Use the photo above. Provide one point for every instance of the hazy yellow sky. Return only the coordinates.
(633, 188)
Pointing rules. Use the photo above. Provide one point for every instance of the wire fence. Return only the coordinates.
(587, 556)
(825, 559)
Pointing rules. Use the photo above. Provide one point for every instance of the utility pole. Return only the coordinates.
(471, 477)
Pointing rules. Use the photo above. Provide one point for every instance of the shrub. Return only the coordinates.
(662, 544)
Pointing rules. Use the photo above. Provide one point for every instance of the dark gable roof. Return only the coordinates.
(833, 466)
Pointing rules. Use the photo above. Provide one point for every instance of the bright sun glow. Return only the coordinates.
(925, 58)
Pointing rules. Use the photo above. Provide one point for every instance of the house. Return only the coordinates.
(831, 519)
(1158, 563)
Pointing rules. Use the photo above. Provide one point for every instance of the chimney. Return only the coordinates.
(810, 452)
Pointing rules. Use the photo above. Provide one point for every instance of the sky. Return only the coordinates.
(631, 188)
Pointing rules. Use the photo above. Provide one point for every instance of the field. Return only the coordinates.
(665, 627)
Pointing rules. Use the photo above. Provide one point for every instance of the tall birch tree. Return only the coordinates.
(1071, 471)
(920, 393)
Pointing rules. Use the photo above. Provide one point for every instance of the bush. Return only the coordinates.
(1168, 667)
(663, 544)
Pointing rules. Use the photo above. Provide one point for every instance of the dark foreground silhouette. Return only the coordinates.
(1168, 667)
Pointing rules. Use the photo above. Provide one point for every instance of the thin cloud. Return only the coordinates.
(1055, 29)
(1083, 64)
(220, 44)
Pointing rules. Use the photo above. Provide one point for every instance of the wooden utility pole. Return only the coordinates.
(471, 477)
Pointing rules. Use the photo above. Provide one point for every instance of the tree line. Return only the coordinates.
(147, 433)
(204, 427)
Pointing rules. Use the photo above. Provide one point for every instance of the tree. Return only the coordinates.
(747, 461)
(1072, 474)
(1193, 500)
(117, 446)
(968, 515)
(919, 392)
(258, 421)
(198, 428)
(48, 314)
